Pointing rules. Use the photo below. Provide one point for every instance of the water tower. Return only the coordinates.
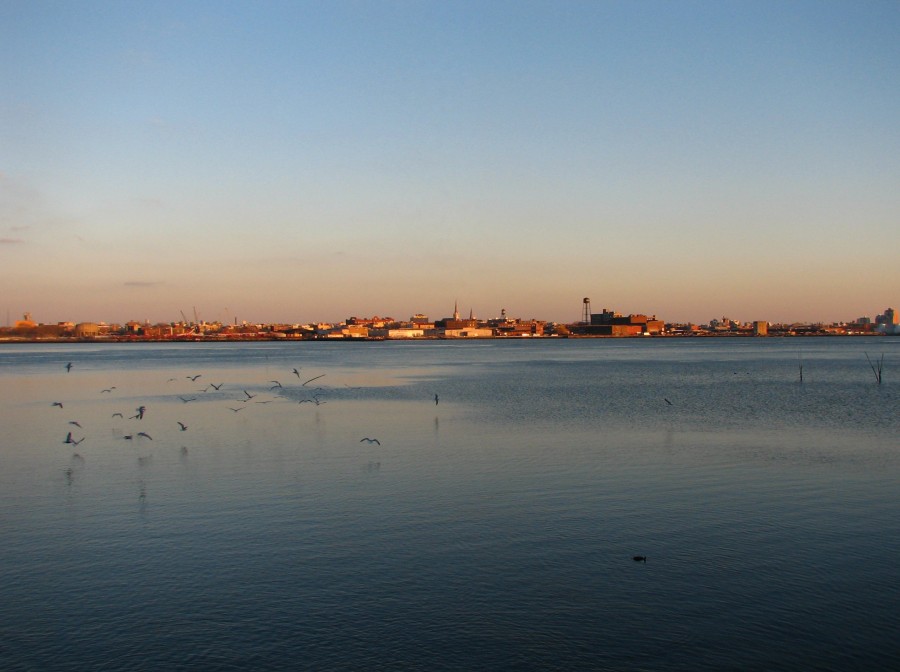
(586, 311)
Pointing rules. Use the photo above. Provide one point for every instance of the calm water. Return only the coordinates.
(493, 531)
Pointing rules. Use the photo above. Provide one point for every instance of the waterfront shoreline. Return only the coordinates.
(358, 339)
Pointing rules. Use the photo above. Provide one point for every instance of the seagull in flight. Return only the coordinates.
(312, 379)
(193, 378)
(667, 401)
(296, 373)
(69, 439)
(436, 400)
(216, 387)
(277, 384)
(249, 396)
(118, 414)
(187, 399)
(140, 413)
(68, 367)
(368, 440)
(182, 425)
(57, 403)
(75, 422)
(237, 409)
(108, 389)
(145, 435)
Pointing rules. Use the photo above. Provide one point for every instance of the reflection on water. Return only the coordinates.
(492, 530)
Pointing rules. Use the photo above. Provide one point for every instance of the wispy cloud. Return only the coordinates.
(11, 241)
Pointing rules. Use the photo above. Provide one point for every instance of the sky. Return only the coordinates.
(311, 161)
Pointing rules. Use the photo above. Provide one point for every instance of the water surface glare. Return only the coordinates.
(494, 530)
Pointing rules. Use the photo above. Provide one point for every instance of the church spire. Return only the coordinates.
(456, 310)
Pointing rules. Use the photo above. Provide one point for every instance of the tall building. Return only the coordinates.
(456, 322)
(889, 316)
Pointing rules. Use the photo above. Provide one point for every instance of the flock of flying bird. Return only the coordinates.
(139, 412)
(315, 397)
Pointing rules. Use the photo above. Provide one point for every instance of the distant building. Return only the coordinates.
(889, 316)
(25, 323)
(887, 322)
(760, 328)
(374, 322)
(610, 323)
(345, 331)
(455, 323)
(724, 324)
(87, 330)
(468, 332)
(401, 332)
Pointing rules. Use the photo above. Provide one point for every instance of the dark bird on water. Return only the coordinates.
(640, 558)
(182, 425)
(368, 440)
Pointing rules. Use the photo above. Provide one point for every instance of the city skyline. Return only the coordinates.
(304, 161)
(888, 316)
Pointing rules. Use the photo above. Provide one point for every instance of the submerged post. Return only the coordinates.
(876, 370)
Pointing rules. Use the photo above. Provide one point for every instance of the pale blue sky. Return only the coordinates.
(298, 161)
